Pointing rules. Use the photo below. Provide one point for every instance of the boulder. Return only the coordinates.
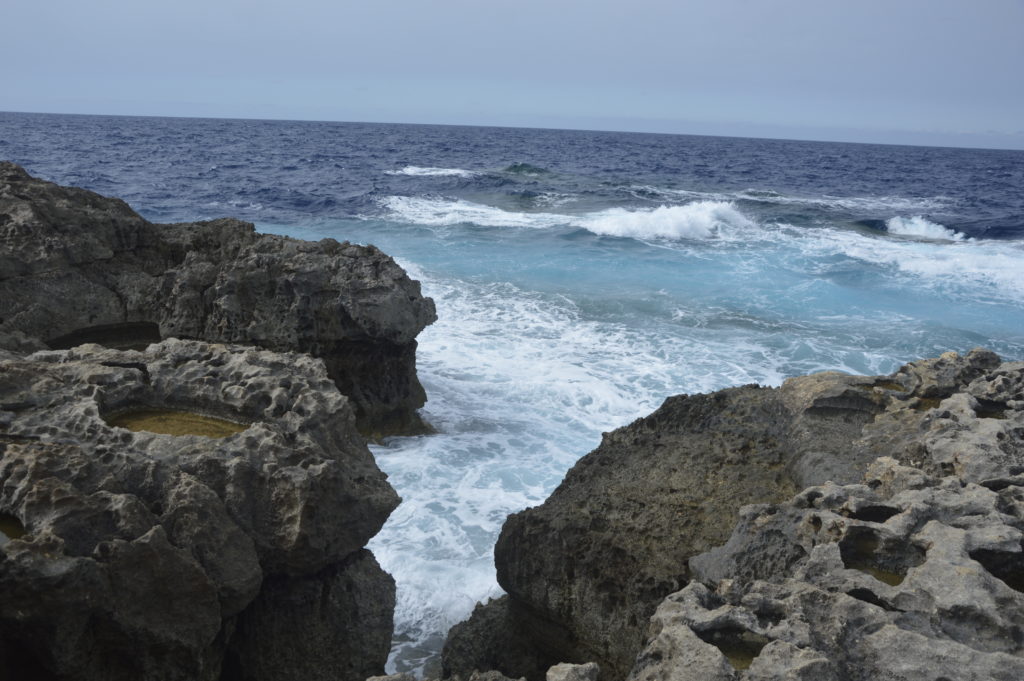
(133, 554)
(79, 267)
(585, 571)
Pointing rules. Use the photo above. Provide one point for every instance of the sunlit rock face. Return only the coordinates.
(153, 552)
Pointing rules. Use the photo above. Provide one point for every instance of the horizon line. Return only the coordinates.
(542, 127)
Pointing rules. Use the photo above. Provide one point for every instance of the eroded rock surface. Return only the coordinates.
(145, 555)
(79, 267)
(905, 577)
(586, 570)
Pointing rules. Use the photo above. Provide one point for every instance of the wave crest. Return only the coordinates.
(418, 171)
(920, 227)
(697, 220)
(441, 212)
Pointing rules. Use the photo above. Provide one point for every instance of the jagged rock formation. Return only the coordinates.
(906, 577)
(78, 267)
(137, 555)
(586, 570)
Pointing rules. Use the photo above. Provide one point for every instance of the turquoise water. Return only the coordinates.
(581, 278)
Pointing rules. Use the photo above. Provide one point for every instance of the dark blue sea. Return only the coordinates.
(582, 277)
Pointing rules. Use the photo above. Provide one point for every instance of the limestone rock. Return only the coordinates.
(898, 580)
(140, 550)
(585, 570)
(573, 672)
(501, 634)
(333, 625)
(78, 267)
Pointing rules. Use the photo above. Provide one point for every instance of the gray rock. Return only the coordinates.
(501, 634)
(141, 550)
(585, 570)
(573, 672)
(899, 580)
(78, 267)
(330, 626)
(392, 677)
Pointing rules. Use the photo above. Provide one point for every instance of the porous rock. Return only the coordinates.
(334, 625)
(565, 671)
(586, 570)
(904, 578)
(141, 550)
(78, 267)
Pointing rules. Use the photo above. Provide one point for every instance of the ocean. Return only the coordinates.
(581, 278)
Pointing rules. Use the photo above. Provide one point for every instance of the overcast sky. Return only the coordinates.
(911, 71)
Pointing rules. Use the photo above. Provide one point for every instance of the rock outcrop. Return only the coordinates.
(906, 577)
(138, 555)
(586, 570)
(78, 267)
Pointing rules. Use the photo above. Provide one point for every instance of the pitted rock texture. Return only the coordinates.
(905, 578)
(78, 267)
(334, 625)
(142, 550)
(585, 570)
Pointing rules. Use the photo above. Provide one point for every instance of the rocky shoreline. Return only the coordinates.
(222, 535)
(884, 539)
(77, 267)
(837, 528)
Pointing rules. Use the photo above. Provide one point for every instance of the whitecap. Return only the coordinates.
(920, 227)
(420, 171)
(857, 204)
(439, 212)
(966, 268)
(697, 220)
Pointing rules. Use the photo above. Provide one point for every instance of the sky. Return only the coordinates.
(937, 72)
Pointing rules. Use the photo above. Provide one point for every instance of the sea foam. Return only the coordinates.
(918, 226)
(697, 220)
(419, 171)
(441, 212)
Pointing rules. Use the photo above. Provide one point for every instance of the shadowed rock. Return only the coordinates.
(144, 555)
(78, 267)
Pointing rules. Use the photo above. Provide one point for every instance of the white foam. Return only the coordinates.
(971, 270)
(856, 204)
(441, 212)
(697, 220)
(521, 384)
(920, 227)
(419, 171)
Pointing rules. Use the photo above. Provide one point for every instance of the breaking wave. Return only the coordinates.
(417, 171)
(920, 227)
(697, 220)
